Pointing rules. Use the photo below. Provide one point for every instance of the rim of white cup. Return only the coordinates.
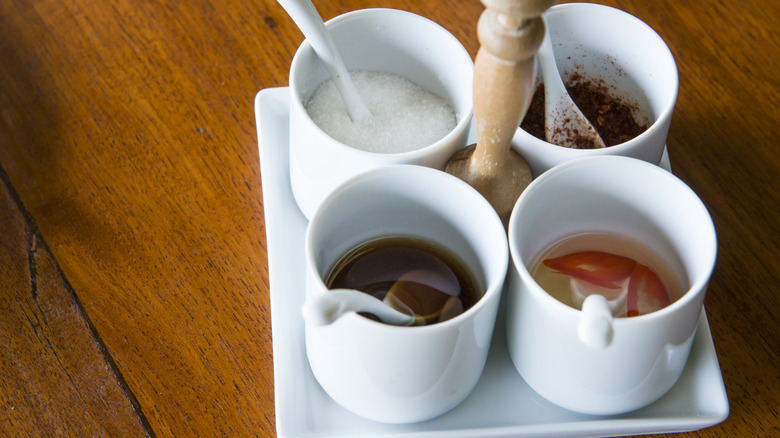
(464, 118)
(527, 138)
(492, 287)
(555, 172)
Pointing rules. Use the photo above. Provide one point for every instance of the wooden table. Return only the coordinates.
(133, 270)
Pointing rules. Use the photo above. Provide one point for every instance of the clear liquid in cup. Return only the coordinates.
(630, 275)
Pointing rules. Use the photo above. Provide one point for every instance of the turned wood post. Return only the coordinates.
(510, 33)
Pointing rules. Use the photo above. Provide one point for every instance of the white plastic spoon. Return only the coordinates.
(596, 329)
(616, 297)
(326, 308)
(564, 123)
(308, 20)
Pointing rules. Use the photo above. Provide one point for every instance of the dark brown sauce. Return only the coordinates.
(426, 278)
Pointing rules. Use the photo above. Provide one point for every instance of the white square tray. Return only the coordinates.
(502, 404)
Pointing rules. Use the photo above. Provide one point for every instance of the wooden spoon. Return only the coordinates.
(510, 33)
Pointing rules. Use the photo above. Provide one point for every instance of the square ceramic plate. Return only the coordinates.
(502, 404)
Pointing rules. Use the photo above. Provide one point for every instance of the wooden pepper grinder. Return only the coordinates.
(510, 33)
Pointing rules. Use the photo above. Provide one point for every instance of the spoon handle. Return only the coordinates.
(563, 120)
(308, 20)
(326, 308)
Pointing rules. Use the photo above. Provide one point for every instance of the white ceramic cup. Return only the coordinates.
(585, 360)
(384, 40)
(397, 374)
(602, 42)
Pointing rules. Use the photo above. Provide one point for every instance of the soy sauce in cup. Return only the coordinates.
(412, 275)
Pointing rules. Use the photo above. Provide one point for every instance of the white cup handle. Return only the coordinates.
(595, 329)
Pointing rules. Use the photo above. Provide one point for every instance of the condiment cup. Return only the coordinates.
(383, 40)
(601, 42)
(587, 360)
(397, 374)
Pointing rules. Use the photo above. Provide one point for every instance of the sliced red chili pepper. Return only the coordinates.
(646, 284)
(600, 268)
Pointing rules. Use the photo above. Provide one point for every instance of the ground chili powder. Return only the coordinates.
(614, 118)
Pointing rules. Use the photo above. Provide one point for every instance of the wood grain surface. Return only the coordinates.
(133, 266)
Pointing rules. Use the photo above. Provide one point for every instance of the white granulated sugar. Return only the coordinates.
(406, 117)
